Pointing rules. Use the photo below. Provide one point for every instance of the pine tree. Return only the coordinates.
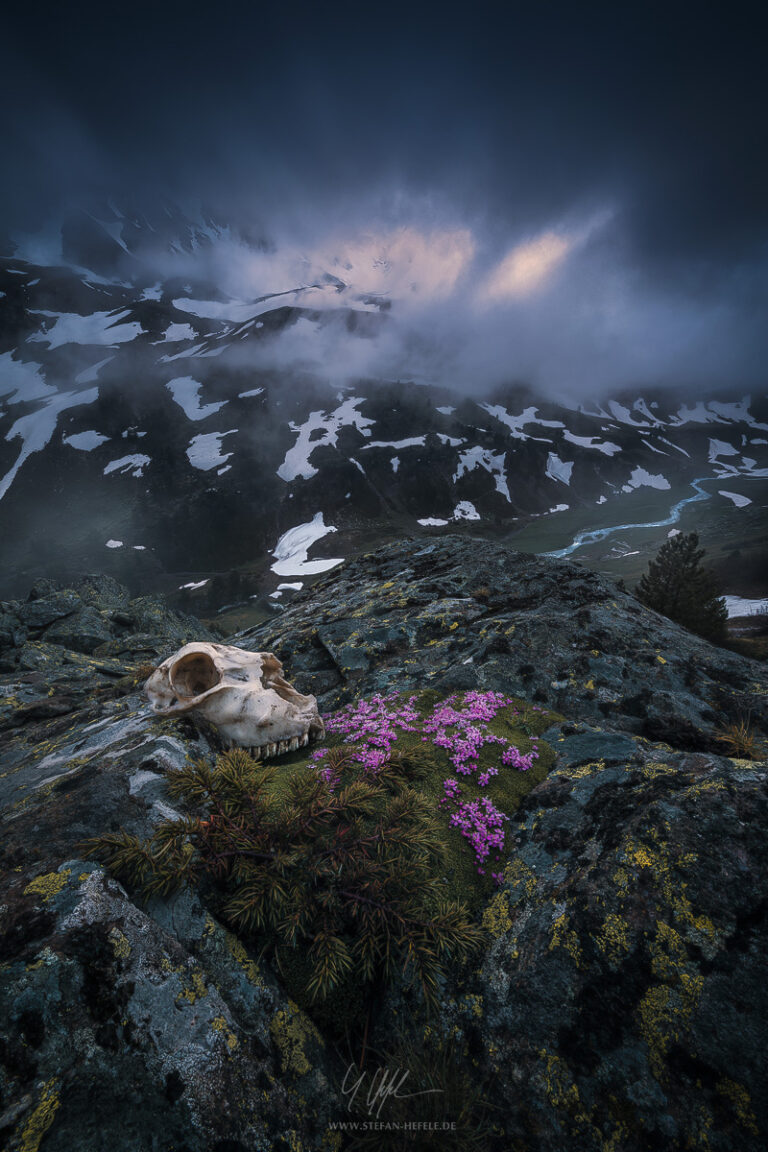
(677, 585)
(351, 878)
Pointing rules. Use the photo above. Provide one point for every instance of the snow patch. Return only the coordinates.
(492, 462)
(741, 606)
(23, 379)
(36, 428)
(640, 478)
(90, 374)
(185, 390)
(291, 550)
(297, 459)
(98, 328)
(85, 441)
(180, 332)
(204, 451)
(604, 446)
(432, 522)
(739, 500)
(114, 543)
(465, 510)
(517, 423)
(134, 465)
(410, 442)
(558, 469)
(720, 448)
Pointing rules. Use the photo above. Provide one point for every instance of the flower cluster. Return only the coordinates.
(461, 730)
(483, 825)
(456, 730)
(371, 724)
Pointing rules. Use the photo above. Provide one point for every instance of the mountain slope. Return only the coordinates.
(156, 426)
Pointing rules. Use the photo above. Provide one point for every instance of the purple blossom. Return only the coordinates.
(460, 729)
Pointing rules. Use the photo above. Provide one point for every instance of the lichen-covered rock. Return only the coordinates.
(95, 616)
(457, 614)
(126, 1026)
(623, 1003)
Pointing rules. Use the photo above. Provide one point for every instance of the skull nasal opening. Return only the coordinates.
(194, 674)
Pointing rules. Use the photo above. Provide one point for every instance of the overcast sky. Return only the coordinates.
(580, 187)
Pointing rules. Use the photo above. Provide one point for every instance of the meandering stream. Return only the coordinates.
(592, 535)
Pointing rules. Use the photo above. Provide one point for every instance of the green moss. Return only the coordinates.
(429, 766)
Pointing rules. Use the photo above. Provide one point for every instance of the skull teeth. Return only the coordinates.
(279, 747)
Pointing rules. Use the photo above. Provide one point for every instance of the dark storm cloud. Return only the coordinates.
(505, 118)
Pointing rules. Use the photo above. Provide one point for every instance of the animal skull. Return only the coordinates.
(242, 693)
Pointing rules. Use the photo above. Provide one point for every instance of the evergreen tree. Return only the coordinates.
(677, 585)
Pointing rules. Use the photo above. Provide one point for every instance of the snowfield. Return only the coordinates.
(292, 549)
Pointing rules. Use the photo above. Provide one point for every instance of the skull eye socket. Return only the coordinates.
(194, 674)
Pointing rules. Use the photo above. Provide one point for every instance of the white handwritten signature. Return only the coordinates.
(385, 1084)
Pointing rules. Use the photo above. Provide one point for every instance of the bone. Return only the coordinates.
(243, 694)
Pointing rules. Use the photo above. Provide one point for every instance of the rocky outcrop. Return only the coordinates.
(124, 1025)
(620, 1004)
(461, 614)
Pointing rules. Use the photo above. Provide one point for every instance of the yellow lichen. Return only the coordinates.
(565, 937)
(219, 1024)
(238, 952)
(48, 885)
(496, 917)
(562, 1092)
(651, 770)
(291, 1031)
(30, 1134)
(474, 1004)
(613, 939)
(742, 1104)
(517, 874)
(195, 989)
(120, 945)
